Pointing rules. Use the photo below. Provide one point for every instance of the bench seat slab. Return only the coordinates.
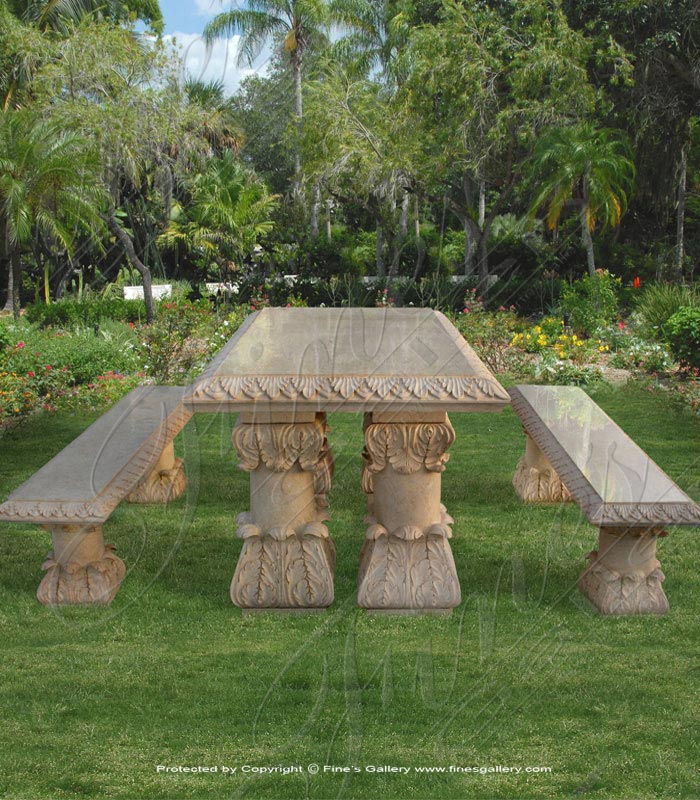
(126, 451)
(618, 487)
(86, 481)
(611, 478)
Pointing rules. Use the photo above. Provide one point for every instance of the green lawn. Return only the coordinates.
(523, 674)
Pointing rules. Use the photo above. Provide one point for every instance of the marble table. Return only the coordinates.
(283, 371)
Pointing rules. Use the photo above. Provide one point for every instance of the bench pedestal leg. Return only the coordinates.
(166, 482)
(536, 480)
(406, 563)
(288, 558)
(624, 576)
(81, 569)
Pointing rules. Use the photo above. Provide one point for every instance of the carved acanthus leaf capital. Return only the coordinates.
(279, 446)
(408, 447)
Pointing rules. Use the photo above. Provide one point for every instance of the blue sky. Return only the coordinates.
(188, 16)
(184, 23)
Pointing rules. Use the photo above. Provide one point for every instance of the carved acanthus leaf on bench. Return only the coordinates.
(73, 583)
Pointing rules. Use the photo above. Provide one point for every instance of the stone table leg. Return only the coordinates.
(406, 563)
(81, 569)
(624, 575)
(166, 481)
(288, 558)
(536, 480)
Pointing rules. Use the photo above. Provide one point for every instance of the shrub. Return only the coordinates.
(591, 302)
(641, 354)
(659, 302)
(76, 313)
(552, 370)
(83, 355)
(170, 347)
(682, 331)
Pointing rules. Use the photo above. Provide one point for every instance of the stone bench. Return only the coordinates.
(127, 453)
(574, 451)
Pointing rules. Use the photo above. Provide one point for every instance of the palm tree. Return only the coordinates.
(220, 127)
(586, 169)
(228, 210)
(49, 187)
(61, 15)
(299, 22)
(375, 36)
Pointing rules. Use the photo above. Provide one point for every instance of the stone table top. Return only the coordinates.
(347, 359)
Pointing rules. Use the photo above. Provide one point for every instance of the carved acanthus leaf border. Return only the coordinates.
(597, 511)
(357, 389)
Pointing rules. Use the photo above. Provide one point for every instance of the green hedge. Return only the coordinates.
(72, 313)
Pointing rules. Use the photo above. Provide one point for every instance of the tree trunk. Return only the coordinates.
(420, 258)
(4, 256)
(482, 203)
(127, 246)
(403, 222)
(329, 222)
(8, 299)
(298, 108)
(315, 211)
(468, 248)
(381, 268)
(587, 240)
(680, 216)
(16, 272)
(484, 261)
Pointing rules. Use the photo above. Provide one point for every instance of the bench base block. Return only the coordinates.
(166, 482)
(624, 576)
(81, 569)
(536, 480)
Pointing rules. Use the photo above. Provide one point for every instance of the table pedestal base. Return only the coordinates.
(406, 562)
(81, 569)
(288, 558)
(624, 576)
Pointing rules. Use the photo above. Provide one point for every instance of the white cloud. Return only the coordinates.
(220, 63)
(207, 8)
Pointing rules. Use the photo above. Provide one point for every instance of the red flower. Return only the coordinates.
(621, 325)
(48, 367)
(20, 345)
(30, 374)
(636, 283)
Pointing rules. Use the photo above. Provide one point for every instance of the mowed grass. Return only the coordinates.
(523, 674)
